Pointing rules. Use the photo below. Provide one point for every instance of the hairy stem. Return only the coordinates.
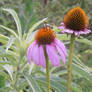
(70, 62)
(17, 74)
(47, 71)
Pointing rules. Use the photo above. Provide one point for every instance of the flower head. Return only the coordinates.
(75, 21)
(46, 36)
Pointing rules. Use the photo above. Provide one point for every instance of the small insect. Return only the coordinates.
(47, 25)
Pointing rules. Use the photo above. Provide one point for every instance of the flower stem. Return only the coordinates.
(70, 62)
(47, 71)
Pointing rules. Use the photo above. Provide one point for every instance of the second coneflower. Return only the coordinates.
(46, 46)
(75, 23)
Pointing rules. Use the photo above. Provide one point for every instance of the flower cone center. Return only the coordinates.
(76, 19)
(45, 36)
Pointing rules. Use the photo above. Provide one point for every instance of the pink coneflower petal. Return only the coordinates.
(42, 57)
(61, 27)
(61, 46)
(52, 54)
(29, 54)
(65, 30)
(63, 57)
(86, 31)
(46, 37)
(77, 33)
(35, 54)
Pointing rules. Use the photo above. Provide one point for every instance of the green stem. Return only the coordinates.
(70, 62)
(17, 74)
(47, 71)
(83, 4)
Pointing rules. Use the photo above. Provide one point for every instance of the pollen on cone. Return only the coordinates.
(45, 36)
(76, 19)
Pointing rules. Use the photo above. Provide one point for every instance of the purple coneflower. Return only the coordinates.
(75, 22)
(46, 37)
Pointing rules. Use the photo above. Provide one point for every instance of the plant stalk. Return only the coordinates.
(70, 62)
(17, 73)
(47, 71)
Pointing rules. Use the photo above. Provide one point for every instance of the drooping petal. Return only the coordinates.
(61, 46)
(52, 54)
(29, 52)
(42, 57)
(35, 54)
(63, 57)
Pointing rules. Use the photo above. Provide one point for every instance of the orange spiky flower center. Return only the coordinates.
(45, 36)
(76, 19)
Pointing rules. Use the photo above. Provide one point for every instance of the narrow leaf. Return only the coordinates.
(15, 16)
(9, 30)
(33, 84)
(34, 27)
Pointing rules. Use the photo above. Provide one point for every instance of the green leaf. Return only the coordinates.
(85, 41)
(33, 84)
(31, 67)
(3, 41)
(84, 72)
(10, 42)
(2, 81)
(9, 69)
(5, 89)
(34, 27)
(81, 39)
(15, 16)
(55, 85)
(4, 37)
(2, 51)
(22, 83)
(9, 30)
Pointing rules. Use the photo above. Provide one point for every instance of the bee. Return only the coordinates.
(47, 25)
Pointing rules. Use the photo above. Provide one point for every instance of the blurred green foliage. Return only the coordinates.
(25, 10)
(2, 81)
(29, 12)
(56, 9)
